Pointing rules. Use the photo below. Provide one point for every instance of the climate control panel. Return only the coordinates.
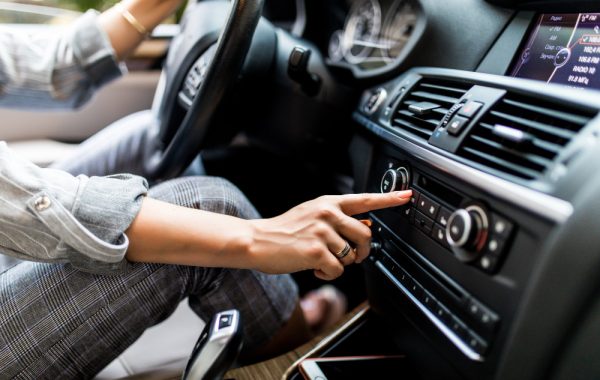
(466, 227)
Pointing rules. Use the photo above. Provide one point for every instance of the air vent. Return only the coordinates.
(522, 136)
(422, 109)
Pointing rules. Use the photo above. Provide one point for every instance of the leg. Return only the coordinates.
(122, 147)
(56, 322)
(119, 148)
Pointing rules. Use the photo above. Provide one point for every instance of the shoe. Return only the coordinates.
(323, 308)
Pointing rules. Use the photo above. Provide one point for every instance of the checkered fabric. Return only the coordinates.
(60, 323)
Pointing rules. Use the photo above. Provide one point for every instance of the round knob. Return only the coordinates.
(467, 231)
(395, 179)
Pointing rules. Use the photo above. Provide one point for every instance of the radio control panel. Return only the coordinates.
(470, 230)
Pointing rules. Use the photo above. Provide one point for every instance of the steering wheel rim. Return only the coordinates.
(232, 47)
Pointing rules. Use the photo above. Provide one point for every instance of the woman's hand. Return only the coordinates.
(310, 235)
(307, 237)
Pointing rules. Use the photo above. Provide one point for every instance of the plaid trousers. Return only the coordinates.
(60, 323)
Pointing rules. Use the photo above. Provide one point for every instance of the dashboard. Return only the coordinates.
(489, 112)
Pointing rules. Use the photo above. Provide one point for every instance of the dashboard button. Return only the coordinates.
(456, 125)
(415, 197)
(404, 279)
(408, 212)
(423, 223)
(500, 226)
(476, 343)
(443, 216)
(429, 301)
(459, 329)
(439, 234)
(470, 109)
(389, 181)
(482, 316)
(395, 179)
(474, 308)
(467, 232)
(488, 263)
(427, 206)
(488, 320)
(417, 290)
(457, 229)
(494, 246)
(443, 314)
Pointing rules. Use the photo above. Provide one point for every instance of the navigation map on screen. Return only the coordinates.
(562, 48)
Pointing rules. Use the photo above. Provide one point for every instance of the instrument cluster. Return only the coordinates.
(374, 34)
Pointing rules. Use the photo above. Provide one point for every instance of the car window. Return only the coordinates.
(52, 12)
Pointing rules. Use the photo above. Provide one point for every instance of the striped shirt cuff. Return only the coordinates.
(93, 50)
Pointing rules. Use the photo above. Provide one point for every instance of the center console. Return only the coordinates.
(496, 168)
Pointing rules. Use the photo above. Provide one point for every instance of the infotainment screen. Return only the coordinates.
(562, 48)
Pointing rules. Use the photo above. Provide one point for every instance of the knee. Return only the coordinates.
(206, 193)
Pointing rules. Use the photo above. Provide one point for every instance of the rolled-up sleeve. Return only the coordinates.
(57, 69)
(50, 216)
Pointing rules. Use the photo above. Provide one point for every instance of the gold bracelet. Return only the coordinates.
(131, 19)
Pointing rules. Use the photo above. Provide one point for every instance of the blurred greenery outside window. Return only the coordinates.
(55, 12)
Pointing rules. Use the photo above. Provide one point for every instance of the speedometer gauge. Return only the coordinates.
(362, 30)
(398, 28)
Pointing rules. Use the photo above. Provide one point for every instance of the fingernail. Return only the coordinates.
(404, 193)
(366, 222)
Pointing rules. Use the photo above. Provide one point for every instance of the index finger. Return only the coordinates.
(353, 204)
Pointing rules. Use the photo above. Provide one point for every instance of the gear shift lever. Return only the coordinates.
(217, 348)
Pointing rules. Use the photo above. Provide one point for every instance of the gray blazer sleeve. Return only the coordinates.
(50, 216)
(58, 69)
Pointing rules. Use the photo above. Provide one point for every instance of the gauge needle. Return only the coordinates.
(370, 44)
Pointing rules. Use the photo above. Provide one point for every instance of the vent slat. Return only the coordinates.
(433, 123)
(535, 125)
(547, 128)
(457, 90)
(503, 165)
(563, 116)
(435, 97)
(552, 149)
(425, 133)
(534, 159)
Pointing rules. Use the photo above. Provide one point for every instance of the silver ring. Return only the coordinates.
(344, 252)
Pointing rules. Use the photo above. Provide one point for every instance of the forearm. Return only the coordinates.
(309, 236)
(170, 234)
(149, 13)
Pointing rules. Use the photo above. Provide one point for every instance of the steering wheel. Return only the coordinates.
(212, 70)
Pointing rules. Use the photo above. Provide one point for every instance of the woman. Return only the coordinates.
(118, 257)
